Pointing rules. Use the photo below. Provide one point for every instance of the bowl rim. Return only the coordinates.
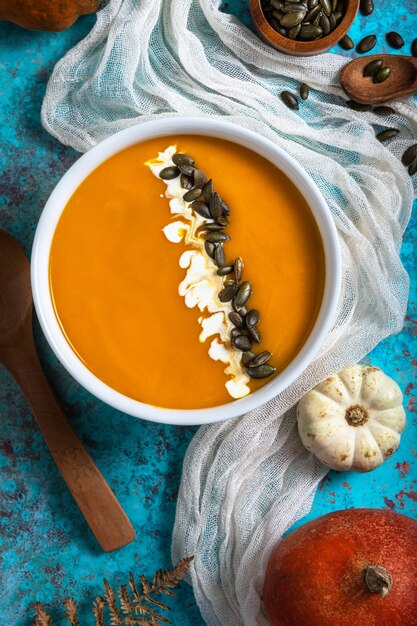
(163, 128)
(302, 48)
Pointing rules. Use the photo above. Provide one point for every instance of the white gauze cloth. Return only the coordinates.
(247, 480)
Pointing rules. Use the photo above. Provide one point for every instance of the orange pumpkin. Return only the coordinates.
(46, 15)
(350, 568)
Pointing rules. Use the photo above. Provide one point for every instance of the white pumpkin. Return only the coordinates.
(352, 421)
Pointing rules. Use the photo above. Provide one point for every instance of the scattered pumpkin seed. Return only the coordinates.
(238, 266)
(215, 205)
(208, 190)
(293, 32)
(200, 178)
(383, 110)
(235, 332)
(182, 159)
(346, 43)
(216, 237)
(366, 44)
(310, 31)
(192, 194)
(252, 318)
(228, 293)
(304, 91)
(242, 342)
(409, 155)
(219, 257)
(324, 24)
(209, 248)
(222, 221)
(201, 209)
(382, 74)
(187, 182)
(395, 40)
(414, 48)
(260, 359)
(367, 7)
(358, 106)
(255, 334)
(262, 371)
(213, 226)
(186, 169)
(372, 68)
(389, 133)
(247, 357)
(289, 100)
(244, 293)
(169, 173)
(225, 270)
(292, 19)
(236, 319)
(412, 168)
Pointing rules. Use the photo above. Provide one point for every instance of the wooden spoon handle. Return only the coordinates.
(93, 495)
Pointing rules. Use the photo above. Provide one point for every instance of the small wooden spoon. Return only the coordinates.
(96, 500)
(402, 81)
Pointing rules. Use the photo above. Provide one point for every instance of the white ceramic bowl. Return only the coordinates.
(90, 161)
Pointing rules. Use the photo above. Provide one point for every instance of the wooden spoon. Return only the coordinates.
(96, 500)
(402, 81)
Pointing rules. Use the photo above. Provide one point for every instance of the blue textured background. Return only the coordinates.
(46, 550)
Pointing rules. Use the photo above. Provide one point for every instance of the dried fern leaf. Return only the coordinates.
(133, 587)
(162, 606)
(125, 600)
(146, 586)
(71, 611)
(42, 618)
(115, 618)
(98, 611)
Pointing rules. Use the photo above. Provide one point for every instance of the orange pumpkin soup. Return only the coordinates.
(114, 276)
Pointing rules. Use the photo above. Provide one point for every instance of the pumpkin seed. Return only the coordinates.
(238, 266)
(358, 106)
(383, 110)
(208, 190)
(382, 74)
(294, 31)
(389, 133)
(235, 332)
(409, 155)
(247, 357)
(304, 91)
(242, 309)
(192, 194)
(200, 178)
(188, 170)
(324, 24)
(262, 371)
(244, 293)
(312, 3)
(222, 221)
(277, 15)
(216, 237)
(292, 19)
(289, 100)
(201, 209)
(236, 319)
(334, 5)
(228, 293)
(219, 257)
(186, 182)
(332, 21)
(182, 159)
(169, 173)
(366, 44)
(260, 359)
(242, 342)
(367, 7)
(290, 7)
(310, 31)
(412, 169)
(255, 334)
(395, 40)
(313, 13)
(372, 68)
(326, 6)
(209, 248)
(215, 206)
(213, 226)
(277, 4)
(252, 318)
(346, 43)
(414, 48)
(225, 270)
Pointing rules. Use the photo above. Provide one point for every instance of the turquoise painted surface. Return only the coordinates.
(46, 551)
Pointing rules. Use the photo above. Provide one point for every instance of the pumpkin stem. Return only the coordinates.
(356, 415)
(378, 580)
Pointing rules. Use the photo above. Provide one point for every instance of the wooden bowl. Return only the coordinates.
(302, 48)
